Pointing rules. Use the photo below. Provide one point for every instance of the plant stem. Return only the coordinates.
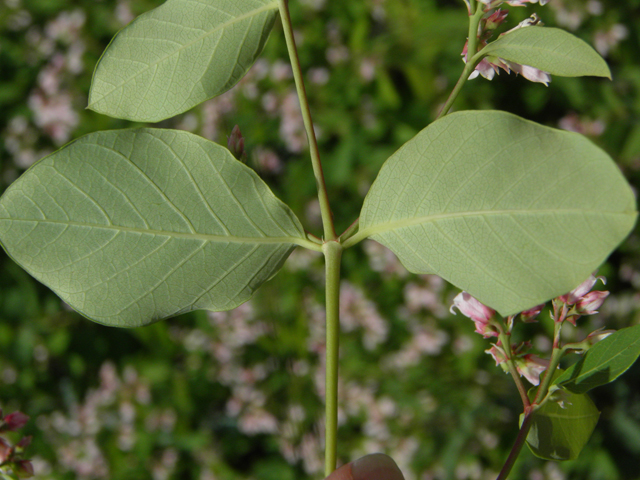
(517, 446)
(323, 198)
(472, 60)
(468, 68)
(506, 346)
(541, 394)
(333, 254)
(556, 355)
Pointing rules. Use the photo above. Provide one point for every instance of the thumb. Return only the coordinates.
(376, 466)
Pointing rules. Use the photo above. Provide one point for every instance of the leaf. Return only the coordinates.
(604, 362)
(178, 55)
(561, 432)
(510, 211)
(550, 49)
(133, 226)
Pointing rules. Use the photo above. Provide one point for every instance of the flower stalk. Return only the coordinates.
(474, 21)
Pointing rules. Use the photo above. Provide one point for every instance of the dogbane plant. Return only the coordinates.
(133, 226)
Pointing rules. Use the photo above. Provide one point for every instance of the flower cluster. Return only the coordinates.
(570, 306)
(490, 65)
(496, 3)
(11, 461)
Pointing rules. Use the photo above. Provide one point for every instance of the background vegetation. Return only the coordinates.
(238, 395)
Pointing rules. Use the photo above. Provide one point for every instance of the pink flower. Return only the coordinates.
(497, 353)
(513, 3)
(575, 295)
(591, 302)
(491, 65)
(529, 316)
(522, 3)
(530, 73)
(476, 311)
(530, 367)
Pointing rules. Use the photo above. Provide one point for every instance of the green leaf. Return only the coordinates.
(604, 362)
(560, 431)
(550, 49)
(133, 226)
(510, 211)
(178, 55)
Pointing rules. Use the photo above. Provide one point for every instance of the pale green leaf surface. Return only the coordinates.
(560, 431)
(132, 226)
(178, 55)
(510, 211)
(550, 49)
(604, 362)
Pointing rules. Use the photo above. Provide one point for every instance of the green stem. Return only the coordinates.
(474, 21)
(323, 198)
(517, 446)
(472, 60)
(468, 68)
(506, 346)
(556, 355)
(333, 254)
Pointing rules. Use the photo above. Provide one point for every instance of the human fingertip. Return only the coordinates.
(376, 466)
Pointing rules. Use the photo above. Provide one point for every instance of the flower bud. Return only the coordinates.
(235, 143)
(529, 316)
(597, 335)
(581, 290)
(23, 444)
(591, 302)
(15, 421)
(476, 311)
(23, 469)
(497, 353)
(494, 20)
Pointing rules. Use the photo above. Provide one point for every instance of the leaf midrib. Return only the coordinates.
(264, 8)
(408, 222)
(190, 236)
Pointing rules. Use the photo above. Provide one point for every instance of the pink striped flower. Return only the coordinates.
(591, 302)
(476, 311)
(531, 367)
(576, 295)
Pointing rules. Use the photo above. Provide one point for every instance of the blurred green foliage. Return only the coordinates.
(237, 395)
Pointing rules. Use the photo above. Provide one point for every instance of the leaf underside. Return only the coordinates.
(510, 211)
(604, 362)
(549, 49)
(178, 55)
(132, 226)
